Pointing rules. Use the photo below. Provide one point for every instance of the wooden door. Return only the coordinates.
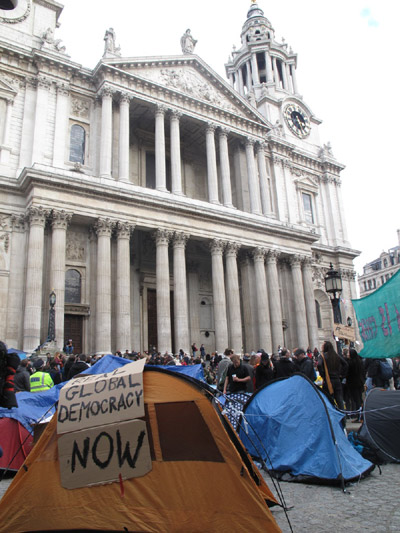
(73, 329)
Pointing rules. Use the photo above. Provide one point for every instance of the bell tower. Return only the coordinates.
(261, 64)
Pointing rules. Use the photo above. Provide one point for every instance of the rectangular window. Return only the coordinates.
(307, 206)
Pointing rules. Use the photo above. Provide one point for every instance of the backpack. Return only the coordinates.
(385, 370)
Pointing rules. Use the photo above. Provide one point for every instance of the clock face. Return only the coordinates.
(297, 120)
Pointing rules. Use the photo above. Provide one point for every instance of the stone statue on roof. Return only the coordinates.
(188, 43)
(110, 47)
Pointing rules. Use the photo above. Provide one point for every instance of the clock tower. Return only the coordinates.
(263, 71)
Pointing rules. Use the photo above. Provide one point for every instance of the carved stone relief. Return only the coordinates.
(76, 246)
(80, 108)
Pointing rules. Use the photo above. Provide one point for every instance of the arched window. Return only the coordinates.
(73, 283)
(318, 313)
(77, 144)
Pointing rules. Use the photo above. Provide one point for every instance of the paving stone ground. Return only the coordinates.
(370, 506)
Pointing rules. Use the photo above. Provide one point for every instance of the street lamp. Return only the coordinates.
(51, 335)
(333, 286)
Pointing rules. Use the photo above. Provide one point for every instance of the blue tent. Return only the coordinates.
(293, 427)
(20, 353)
(32, 407)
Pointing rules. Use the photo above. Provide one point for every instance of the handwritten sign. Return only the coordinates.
(102, 399)
(99, 435)
(99, 455)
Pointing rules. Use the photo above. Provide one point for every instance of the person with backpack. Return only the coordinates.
(333, 368)
(379, 373)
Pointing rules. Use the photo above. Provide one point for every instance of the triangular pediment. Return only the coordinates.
(190, 77)
(306, 183)
(6, 91)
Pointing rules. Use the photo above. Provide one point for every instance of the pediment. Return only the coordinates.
(193, 78)
(6, 91)
(307, 183)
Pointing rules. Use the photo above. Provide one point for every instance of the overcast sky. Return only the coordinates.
(348, 73)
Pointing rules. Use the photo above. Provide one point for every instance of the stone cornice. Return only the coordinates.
(262, 229)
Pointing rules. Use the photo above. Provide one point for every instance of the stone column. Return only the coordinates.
(39, 137)
(254, 188)
(233, 298)
(162, 238)
(34, 278)
(61, 126)
(276, 73)
(106, 133)
(274, 299)
(219, 300)
(268, 66)
(123, 147)
(241, 85)
(181, 312)
(104, 228)
(263, 318)
(294, 80)
(284, 76)
(123, 287)
(248, 292)
(299, 303)
(225, 168)
(16, 282)
(248, 76)
(59, 222)
(176, 174)
(256, 77)
(310, 304)
(264, 186)
(212, 177)
(161, 169)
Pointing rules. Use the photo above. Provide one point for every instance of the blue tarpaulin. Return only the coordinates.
(294, 428)
(33, 406)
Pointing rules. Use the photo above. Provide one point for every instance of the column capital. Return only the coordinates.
(259, 254)
(272, 255)
(63, 88)
(43, 82)
(37, 215)
(160, 110)
(250, 141)
(260, 146)
(295, 260)
(104, 227)
(123, 229)
(307, 262)
(162, 236)
(18, 223)
(60, 219)
(125, 98)
(211, 127)
(232, 249)
(175, 114)
(224, 132)
(217, 247)
(106, 92)
(180, 239)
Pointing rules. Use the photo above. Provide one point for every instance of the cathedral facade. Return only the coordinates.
(160, 203)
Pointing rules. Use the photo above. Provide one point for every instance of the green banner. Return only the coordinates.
(378, 316)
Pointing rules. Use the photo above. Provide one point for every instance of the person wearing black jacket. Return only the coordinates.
(337, 369)
(285, 367)
(79, 366)
(304, 364)
(22, 377)
(264, 371)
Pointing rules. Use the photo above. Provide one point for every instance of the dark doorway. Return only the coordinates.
(152, 319)
(73, 329)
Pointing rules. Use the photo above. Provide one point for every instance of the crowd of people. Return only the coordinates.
(343, 377)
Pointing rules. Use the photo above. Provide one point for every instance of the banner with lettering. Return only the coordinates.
(378, 316)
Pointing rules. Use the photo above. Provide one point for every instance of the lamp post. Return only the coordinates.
(51, 335)
(333, 286)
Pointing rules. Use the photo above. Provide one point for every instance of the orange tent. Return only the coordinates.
(201, 479)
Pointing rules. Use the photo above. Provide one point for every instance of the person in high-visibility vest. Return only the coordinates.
(40, 380)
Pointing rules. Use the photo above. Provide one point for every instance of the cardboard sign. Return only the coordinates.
(99, 455)
(344, 332)
(101, 399)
